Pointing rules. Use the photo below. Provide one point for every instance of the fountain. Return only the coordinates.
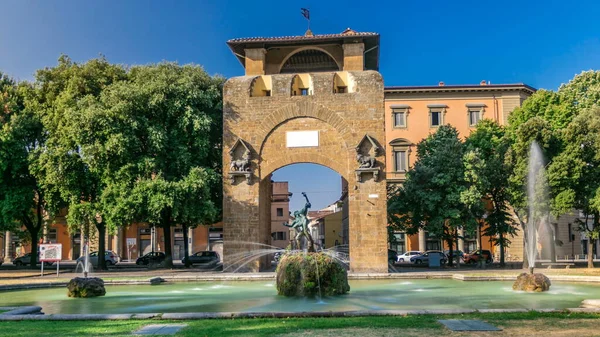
(305, 272)
(538, 220)
(85, 286)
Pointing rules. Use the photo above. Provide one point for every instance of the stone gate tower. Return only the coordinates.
(304, 99)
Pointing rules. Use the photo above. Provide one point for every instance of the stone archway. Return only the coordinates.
(323, 128)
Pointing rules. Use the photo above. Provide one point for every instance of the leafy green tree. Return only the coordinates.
(541, 118)
(22, 139)
(488, 172)
(431, 196)
(64, 168)
(574, 174)
(156, 134)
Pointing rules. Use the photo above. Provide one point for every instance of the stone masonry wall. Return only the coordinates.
(342, 121)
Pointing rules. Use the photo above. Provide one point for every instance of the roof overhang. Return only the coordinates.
(371, 41)
(460, 88)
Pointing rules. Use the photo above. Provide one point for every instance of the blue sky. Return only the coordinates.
(541, 43)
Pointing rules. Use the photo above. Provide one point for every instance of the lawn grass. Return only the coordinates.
(524, 324)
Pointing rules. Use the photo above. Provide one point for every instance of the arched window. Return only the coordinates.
(343, 82)
(400, 154)
(302, 85)
(309, 60)
(261, 86)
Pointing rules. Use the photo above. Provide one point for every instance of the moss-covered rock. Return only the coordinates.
(297, 275)
(86, 287)
(532, 282)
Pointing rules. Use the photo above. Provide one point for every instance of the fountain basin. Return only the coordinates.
(260, 296)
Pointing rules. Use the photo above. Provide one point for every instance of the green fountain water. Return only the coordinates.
(261, 296)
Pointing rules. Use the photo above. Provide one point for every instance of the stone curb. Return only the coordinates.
(271, 276)
(22, 311)
(226, 315)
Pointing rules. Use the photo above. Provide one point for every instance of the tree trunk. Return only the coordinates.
(101, 245)
(449, 240)
(166, 226)
(186, 252)
(34, 247)
(456, 239)
(523, 227)
(501, 235)
(590, 257)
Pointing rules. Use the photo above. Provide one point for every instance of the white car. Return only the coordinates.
(407, 255)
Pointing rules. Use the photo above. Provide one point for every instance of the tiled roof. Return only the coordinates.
(346, 33)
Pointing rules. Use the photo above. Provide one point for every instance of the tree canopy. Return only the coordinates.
(156, 136)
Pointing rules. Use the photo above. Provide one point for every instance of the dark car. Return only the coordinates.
(474, 256)
(392, 256)
(455, 254)
(26, 259)
(208, 257)
(151, 258)
(424, 258)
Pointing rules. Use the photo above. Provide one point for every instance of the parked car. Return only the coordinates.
(151, 258)
(206, 257)
(473, 257)
(407, 255)
(392, 256)
(424, 258)
(110, 258)
(455, 253)
(26, 259)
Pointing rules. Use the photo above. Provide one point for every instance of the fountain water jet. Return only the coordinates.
(537, 221)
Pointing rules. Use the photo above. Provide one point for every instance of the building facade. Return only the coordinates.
(280, 214)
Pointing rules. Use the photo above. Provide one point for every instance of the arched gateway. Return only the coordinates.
(313, 117)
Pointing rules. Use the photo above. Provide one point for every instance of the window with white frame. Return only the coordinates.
(400, 161)
(474, 113)
(399, 115)
(400, 153)
(399, 119)
(436, 114)
(474, 116)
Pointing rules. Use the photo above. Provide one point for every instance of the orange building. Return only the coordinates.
(414, 112)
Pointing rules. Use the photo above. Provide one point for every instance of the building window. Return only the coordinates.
(279, 211)
(304, 91)
(267, 92)
(474, 116)
(436, 114)
(52, 235)
(432, 245)
(279, 236)
(436, 118)
(341, 90)
(400, 154)
(400, 161)
(571, 237)
(399, 244)
(399, 119)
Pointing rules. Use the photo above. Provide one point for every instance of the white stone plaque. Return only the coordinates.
(302, 138)
(373, 196)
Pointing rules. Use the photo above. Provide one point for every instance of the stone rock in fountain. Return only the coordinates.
(297, 275)
(86, 287)
(532, 282)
